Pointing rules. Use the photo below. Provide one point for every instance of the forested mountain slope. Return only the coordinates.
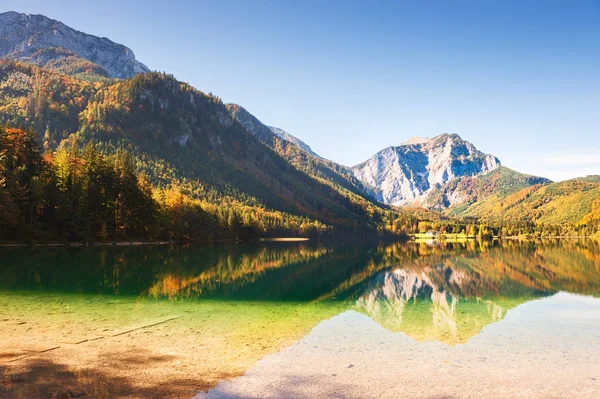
(458, 194)
(195, 133)
(566, 207)
(43, 100)
(183, 139)
(337, 175)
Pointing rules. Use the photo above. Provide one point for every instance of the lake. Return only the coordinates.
(506, 319)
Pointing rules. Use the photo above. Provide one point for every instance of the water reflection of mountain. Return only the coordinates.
(451, 298)
(413, 302)
(304, 272)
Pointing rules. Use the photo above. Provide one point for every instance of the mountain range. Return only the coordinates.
(64, 83)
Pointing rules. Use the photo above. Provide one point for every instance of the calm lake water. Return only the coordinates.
(513, 319)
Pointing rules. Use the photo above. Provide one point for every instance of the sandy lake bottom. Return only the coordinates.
(546, 348)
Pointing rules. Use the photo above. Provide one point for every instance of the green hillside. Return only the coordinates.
(43, 100)
(186, 142)
(517, 203)
(458, 195)
(567, 207)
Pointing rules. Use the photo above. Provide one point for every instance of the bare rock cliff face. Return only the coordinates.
(23, 36)
(406, 174)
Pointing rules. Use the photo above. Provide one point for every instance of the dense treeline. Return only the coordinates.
(170, 162)
(184, 139)
(86, 193)
(177, 134)
(522, 205)
(528, 228)
(76, 193)
(68, 63)
(43, 100)
(194, 133)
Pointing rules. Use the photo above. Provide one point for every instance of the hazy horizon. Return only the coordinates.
(518, 79)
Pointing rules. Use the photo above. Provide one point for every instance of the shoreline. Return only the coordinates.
(524, 238)
(79, 244)
(144, 243)
(264, 240)
(285, 239)
(452, 238)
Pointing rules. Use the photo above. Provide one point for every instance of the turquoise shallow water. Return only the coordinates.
(228, 307)
(545, 348)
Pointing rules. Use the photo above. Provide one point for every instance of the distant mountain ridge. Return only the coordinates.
(299, 154)
(293, 139)
(265, 132)
(407, 174)
(43, 41)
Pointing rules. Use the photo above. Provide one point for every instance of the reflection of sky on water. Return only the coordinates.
(546, 348)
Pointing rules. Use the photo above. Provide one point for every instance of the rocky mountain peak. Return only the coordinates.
(23, 36)
(416, 140)
(406, 174)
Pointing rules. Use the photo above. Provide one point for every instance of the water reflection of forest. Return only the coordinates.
(304, 272)
(446, 292)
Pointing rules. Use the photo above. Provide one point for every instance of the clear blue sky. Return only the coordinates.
(520, 79)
